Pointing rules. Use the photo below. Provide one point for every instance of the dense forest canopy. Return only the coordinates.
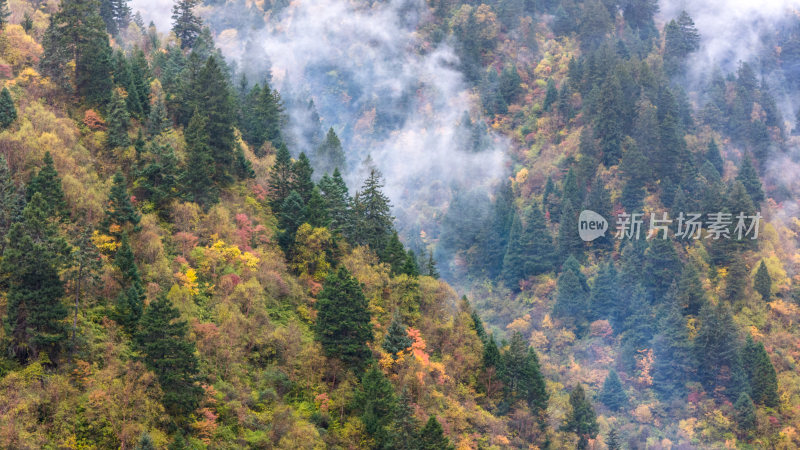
(399, 224)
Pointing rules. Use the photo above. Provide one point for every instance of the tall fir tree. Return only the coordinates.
(572, 298)
(745, 413)
(302, 173)
(396, 339)
(130, 301)
(569, 242)
(8, 112)
(337, 202)
(48, 183)
(185, 23)
(522, 375)
(762, 282)
(343, 321)
(714, 156)
(293, 214)
(716, 349)
(530, 248)
(159, 176)
(604, 296)
(377, 402)
(34, 319)
(212, 97)
(372, 214)
(330, 155)
(118, 122)
(198, 178)
(432, 437)
(760, 373)
(120, 214)
(280, 179)
(581, 419)
(613, 394)
(169, 353)
(674, 361)
(749, 178)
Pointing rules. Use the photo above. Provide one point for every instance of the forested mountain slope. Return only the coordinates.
(249, 230)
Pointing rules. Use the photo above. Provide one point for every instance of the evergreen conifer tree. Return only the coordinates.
(432, 436)
(198, 178)
(48, 183)
(120, 213)
(760, 373)
(613, 395)
(280, 179)
(762, 282)
(581, 420)
(185, 24)
(8, 112)
(118, 121)
(166, 351)
(397, 338)
(343, 321)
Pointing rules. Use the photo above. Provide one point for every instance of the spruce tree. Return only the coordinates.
(609, 121)
(690, 293)
(604, 296)
(34, 319)
(745, 413)
(330, 155)
(405, 434)
(530, 248)
(581, 419)
(410, 265)
(762, 282)
(522, 375)
(343, 320)
(280, 179)
(48, 183)
(120, 213)
(212, 97)
(569, 242)
(551, 95)
(301, 177)
(432, 437)
(714, 157)
(167, 351)
(130, 301)
(185, 24)
(198, 178)
(316, 212)
(118, 121)
(673, 355)
(372, 214)
(663, 267)
(396, 339)
(716, 349)
(394, 254)
(158, 178)
(8, 112)
(293, 214)
(612, 442)
(749, 178)
(376, 401)
(77, 33)
(337, 202)
(760, 373)
(572, 295)
(613, 395)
